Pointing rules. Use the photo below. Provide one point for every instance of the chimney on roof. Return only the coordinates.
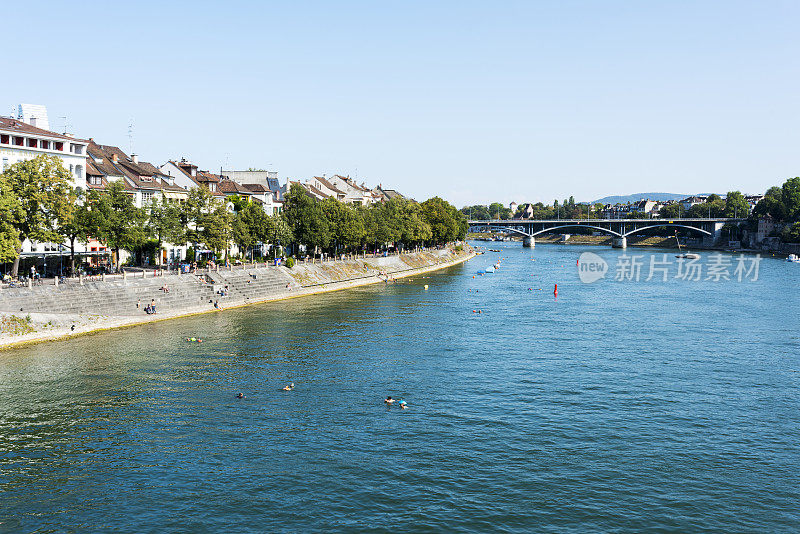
(135, 159)
(33, 121)
(114, 157)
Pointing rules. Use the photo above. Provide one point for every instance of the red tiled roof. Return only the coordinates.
(205, 176)
(315, 191)
(329, 185)
(231, 187)
(14, 125)
(256, 188)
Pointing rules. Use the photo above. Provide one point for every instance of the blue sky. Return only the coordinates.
(472, 101)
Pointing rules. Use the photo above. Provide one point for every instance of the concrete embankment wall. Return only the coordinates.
(309, 275)
(69, 309)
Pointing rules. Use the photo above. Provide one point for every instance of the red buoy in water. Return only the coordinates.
(555, 291)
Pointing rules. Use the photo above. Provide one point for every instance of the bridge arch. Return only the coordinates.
(501, 229)
(650, 227)
(606, 230)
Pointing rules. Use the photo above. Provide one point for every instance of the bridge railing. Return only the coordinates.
(654, 220)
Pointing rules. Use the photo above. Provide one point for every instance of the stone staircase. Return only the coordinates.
(252, 284)
(113, 298)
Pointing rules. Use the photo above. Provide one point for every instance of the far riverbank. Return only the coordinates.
(637, 241)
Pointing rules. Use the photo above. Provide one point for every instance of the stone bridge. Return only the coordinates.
(618, 229)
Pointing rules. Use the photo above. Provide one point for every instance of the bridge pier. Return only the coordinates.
(528, 241)
(619, 242)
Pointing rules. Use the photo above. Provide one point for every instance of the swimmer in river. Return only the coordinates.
(290, 387)
(389, 400)
(239, 395)
(403, 404)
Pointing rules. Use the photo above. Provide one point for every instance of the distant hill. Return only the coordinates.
(622, 199)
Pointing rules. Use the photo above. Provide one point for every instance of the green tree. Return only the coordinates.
(249, 226)
(670, 211)
(790, 195)
(116, 220)
(277, 231)
(791, 233)
(409, 224)
(380, 225)
(306, 218)
(771, 205)
(199, 203)
(477, 212)
(216, 228)
(444, 220)
(394, 214)
(346, 224)
(498, 211)
(736, 205)
(9, 210)
(164, 224)
(43, 197)
(76, 225)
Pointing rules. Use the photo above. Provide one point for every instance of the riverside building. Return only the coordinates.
(22, 139)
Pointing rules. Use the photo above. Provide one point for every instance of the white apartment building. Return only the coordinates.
(20, 141)
(354, 193)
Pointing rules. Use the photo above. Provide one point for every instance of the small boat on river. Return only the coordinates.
(687, 255)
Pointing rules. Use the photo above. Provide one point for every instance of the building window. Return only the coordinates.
(147, 196)
(19, 141)
(44, 144)
(58, 145)
(79, 171)
(76, 149)
(4, 139)
(32, 143)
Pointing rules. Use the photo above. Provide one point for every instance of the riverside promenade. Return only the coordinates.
(58, 311)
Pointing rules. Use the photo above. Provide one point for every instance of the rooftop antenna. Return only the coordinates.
(130, 137)
(67, 124)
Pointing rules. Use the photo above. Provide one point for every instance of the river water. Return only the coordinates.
(618, 406)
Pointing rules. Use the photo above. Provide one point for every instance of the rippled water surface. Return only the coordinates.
(619, 406)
